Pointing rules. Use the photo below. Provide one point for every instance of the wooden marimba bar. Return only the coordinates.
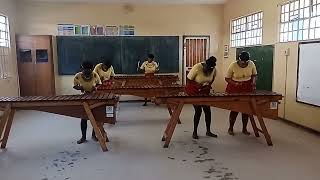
(87, 106)
(260, 104)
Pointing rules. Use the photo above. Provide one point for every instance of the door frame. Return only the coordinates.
(184, 37)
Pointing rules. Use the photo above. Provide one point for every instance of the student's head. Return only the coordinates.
(209, 64)
(150, 57)
(243, 59)
(86, 69)
(106, 64)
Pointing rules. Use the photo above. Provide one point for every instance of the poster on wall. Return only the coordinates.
(93, 30)
(65, 29)
(77, 30)
(85, 30)
(226, 51)
(127, 30)
(112, 31)
(100, 30)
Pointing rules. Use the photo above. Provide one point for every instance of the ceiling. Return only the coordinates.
(138, 1)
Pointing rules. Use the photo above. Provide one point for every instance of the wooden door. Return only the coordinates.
(196, 50)
(26, 65)
(35, 65)
(44, 72)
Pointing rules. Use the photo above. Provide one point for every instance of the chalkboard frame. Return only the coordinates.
(155, 44)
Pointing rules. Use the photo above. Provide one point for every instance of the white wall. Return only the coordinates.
(9, 87)
(42, 18)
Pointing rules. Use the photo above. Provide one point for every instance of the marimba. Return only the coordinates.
(87, 106)
(143, 86)
(260, 104)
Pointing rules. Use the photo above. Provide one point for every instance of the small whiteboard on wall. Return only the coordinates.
(308, 90)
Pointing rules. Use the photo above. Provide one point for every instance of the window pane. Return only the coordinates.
(306, 24)
(311, 35)
(295, 25)
(295, 35)
(305, 34)
(2, 27)
(290, 36)
(300, 35)
(317, 33)
(306, 12)
(318, 21)
(313, 23)
(2, 19)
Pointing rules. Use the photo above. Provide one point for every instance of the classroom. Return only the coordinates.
(159, 89)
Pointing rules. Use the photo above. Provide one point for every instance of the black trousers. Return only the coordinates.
(84, 127)
(197, 116)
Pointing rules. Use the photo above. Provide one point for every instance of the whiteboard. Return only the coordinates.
(308, 90)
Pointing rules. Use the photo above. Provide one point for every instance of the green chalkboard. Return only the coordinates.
(124, 52)
(263, 58)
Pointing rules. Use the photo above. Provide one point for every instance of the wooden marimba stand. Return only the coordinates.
(260, 104)
(87, 106)
(149, 87)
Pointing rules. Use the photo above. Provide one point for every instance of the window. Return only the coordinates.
(300, 20)
(4, 46)
(247, 31)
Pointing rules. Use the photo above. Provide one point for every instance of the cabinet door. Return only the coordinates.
(44, 71)
(26, 65)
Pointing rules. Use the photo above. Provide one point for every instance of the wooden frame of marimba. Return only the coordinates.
(260, 104)
(87, 106)
(143, 86)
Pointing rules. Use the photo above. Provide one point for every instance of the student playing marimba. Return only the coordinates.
(104, 70)
(199, 81)
(241, 78)
(150, 67)
(86, 81)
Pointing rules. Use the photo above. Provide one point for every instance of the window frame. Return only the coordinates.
(5, 51)
(300, 20)
(259, 29)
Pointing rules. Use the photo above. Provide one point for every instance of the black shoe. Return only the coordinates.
(230, 131)
(82, 140)
(195, 136)
(210, 134)
(245, 132)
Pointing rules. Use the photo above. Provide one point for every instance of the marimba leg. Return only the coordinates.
(104, 133)
(254, 126)
(169, 123)
(261, 122)
(170, 112)
(4, 120)
(7, 129)
(95, 127)
(172, 124)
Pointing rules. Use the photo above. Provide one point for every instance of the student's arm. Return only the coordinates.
(141, 68)
(254, 76)
(157, 67)
(112, 72)
(77, 84)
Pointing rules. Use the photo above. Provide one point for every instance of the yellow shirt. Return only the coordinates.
(237, 73)
(104, 75)
(149, 67)
(88, 86)
(196, 74)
